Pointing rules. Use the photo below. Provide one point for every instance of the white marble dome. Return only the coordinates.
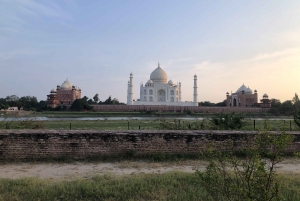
(66, 85)
(53, 91)
(159, 76)
(149, 82)
(170, 83)
(247, 90)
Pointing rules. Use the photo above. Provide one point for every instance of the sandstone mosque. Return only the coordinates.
(244, 97)
(64, 95)
(159, 91)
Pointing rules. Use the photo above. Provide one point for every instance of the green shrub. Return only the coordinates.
(252, 177)
(229, 121)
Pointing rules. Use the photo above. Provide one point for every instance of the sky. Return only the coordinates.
(96, 44)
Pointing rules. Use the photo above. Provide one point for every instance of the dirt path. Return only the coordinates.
(67, 171)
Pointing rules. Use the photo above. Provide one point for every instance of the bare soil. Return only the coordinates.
(70, 171)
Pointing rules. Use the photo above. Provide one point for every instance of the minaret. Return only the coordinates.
(131, 90)
(179, 91)
(128, 93)
(195, 91)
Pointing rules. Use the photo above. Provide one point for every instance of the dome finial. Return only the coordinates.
(158, 65)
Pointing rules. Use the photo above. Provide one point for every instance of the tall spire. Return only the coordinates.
(158, 65)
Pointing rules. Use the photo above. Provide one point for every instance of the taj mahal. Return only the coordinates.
(159, 91)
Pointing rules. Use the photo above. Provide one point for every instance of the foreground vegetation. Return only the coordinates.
(167, 186)
(160, 124)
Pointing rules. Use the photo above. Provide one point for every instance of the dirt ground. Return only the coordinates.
(68, 171)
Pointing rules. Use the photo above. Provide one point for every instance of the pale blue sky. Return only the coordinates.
(96, 44)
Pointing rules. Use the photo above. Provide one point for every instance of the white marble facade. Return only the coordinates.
(159, 91)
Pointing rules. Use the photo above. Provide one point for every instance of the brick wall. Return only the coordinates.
(34, 144)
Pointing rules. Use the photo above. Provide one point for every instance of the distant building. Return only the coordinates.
(12, 109)
(244, 97)
(265, 102)
(64, 95)
(159, 91)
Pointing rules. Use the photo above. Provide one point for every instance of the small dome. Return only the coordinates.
(149, 82)
(66, 85)
(265, 96)
(247, 90)
(170, 83)
(53, 91)
(159, 75)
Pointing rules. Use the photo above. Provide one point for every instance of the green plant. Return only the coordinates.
(229, 121)
(17, 123)
(297, 119)
(228, 177)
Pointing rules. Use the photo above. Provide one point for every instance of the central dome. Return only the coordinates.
(66, 85)
(245, 89)
(159, 75)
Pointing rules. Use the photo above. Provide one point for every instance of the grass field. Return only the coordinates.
(71, 114)
(143, 124)
(167, 186)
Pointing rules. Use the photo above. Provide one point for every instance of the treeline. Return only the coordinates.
(209, 104)
(288, 107)
(85, 103)
(30, 103)
(108, 101)
(26, 102)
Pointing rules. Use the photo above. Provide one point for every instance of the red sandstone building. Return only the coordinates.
(244, 97)
(64, 95)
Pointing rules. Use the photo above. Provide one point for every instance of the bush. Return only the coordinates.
(228, 121)
(228, 177)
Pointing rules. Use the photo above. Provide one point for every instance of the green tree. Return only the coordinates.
(90, 101)
(296, 102)
(81, 104)
(28, 102)
(96, 98)
(297, 118)
(275, 107)
(221, 104)
(287, 108)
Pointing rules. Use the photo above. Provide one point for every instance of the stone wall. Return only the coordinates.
(40, 144)
(179, 109)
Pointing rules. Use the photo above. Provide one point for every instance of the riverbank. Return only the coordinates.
(70, 114)
(124, 123)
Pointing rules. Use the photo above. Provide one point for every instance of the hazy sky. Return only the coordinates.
(96, 44)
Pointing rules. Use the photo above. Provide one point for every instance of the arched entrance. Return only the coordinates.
(234, 102)
(161, 95)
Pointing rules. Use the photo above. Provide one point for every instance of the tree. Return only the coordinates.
(80, 104)
(210, 104)
(287, 108)
(296, 102)
(275, 107)
(96, 98)
(108, 101)
(28, 102)
(90, 101)
(221, 104)
(297, 119)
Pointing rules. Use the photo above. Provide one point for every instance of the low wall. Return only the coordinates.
(180, 109)
(39, 144)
